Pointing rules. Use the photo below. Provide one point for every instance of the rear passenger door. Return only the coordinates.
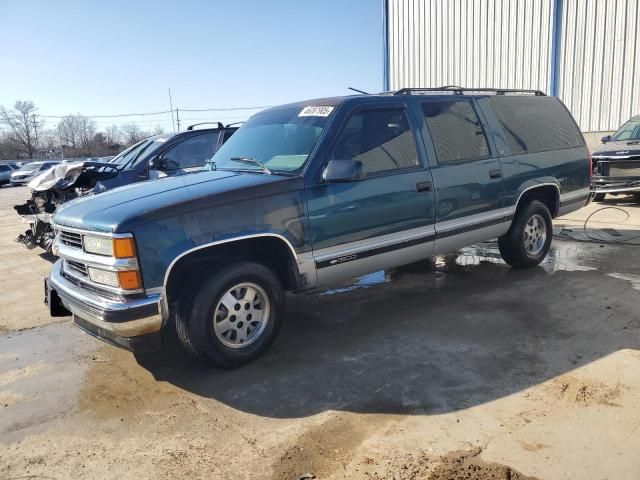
(467, 173)
(383, 220)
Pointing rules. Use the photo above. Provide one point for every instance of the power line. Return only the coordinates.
(163, 112)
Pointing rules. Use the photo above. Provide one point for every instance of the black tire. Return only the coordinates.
(512, 245)
(195, 319)
(599, 197)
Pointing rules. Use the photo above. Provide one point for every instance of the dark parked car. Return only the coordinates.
(616, 164)
(29, 171)
(6, 169)
(154, 157)
(308, 194)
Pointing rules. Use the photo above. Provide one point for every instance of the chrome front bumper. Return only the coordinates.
(133, 323)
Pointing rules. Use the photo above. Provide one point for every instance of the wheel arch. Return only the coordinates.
(547, 192)
(270, 249)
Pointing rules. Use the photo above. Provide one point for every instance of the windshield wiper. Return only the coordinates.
(252, 161)
(633, 142)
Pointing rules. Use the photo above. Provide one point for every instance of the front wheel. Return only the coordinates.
(234, 316)
(599, 197)
(529, 238)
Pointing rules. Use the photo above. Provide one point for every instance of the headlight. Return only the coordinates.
(112, 247)
(98, 245)
(104, 277)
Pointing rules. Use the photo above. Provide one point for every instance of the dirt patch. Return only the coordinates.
(327, 448)
(459, 465)
(583, 392)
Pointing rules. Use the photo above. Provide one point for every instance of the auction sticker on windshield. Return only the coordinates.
(316, 111)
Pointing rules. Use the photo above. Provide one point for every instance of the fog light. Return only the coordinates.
(130, 279)
(103, 277)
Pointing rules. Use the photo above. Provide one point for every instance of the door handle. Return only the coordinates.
(495, 173)
(423, 186)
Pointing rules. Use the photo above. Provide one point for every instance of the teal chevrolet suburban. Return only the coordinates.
(312, 193)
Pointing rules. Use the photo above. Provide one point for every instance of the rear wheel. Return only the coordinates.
(529, 238)
(234, 316)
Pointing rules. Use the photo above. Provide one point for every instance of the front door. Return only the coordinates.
(383, 220)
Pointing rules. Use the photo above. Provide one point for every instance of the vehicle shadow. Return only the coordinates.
(428, 338)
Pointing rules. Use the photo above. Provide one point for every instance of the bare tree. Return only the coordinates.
(77, 132)
(22, 126)
(112, 135)
(158, 130)
(132, 133)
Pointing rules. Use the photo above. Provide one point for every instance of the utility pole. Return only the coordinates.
(178, 118)
(35, 132)
(171, 109)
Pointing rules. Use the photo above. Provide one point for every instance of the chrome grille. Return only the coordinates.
(76, 268)
(70, 239)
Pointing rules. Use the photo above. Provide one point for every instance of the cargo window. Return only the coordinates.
(380, 138)
(456, 131)
(535, 124)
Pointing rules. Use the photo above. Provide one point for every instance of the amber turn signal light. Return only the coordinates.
(129, 279)
(124, 248)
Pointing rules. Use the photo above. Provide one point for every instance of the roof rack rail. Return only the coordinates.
(462, 90)
(219, 125)
(234, 123)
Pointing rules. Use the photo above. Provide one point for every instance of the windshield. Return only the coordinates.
(130, 156)
(29, 167)
(630, 131)
(280, 140)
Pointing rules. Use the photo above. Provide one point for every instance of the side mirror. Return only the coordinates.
(155, 164)
(343, 171)
(606, 138)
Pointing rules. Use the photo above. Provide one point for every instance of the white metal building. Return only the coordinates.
(587, 52)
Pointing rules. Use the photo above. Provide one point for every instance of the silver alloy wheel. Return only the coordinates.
(241, 315)
(535, 235)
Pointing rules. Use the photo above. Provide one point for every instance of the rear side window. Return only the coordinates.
(456, 131)
(380, 138)
(535, 124)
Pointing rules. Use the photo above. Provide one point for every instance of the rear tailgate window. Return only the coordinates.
(535, 124)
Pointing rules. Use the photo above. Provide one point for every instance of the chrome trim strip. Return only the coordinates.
(471, 220)
(583, 192)
(371, 243)
(92, 260)
(613, 159)
(537, 186)
(55, 226)
(615, 189)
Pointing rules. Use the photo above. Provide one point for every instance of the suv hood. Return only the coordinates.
(124, 207)
(618, 149)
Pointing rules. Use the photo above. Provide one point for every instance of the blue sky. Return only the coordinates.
(120, 56)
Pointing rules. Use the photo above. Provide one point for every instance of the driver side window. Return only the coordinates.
(192, 152)
(380, 138)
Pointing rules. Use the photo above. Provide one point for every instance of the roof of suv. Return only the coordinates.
(446, 90)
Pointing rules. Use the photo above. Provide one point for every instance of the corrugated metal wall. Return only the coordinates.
(599, 63)
(510, 44)
(471, 43)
